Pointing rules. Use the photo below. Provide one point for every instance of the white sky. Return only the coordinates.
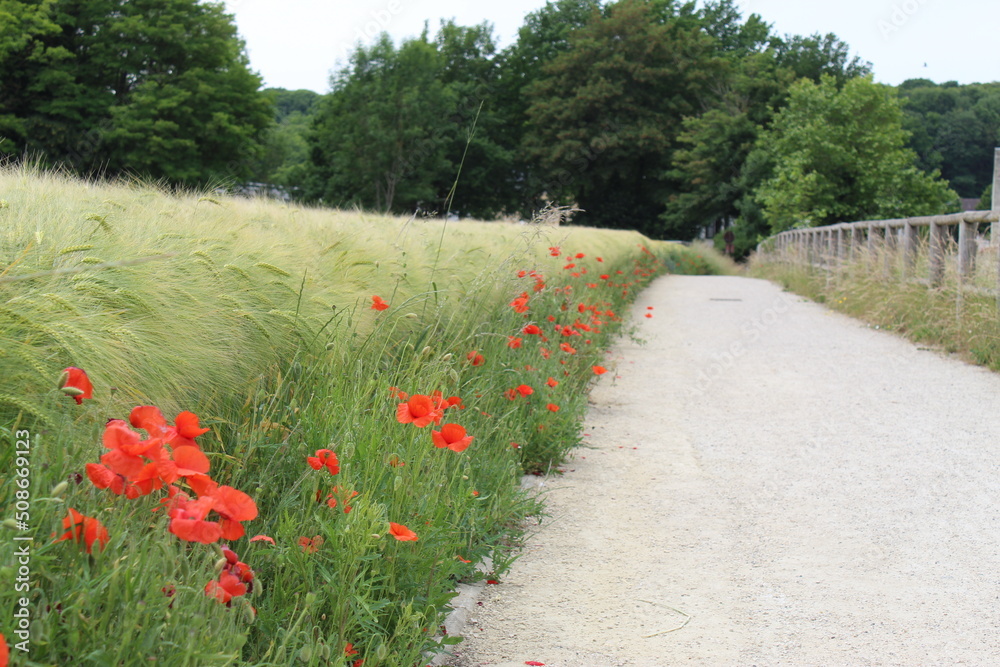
(297, 43)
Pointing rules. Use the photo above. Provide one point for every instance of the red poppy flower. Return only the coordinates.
(454, 402)
(378, 303)
(513, 342)
(226, 588)
(401, 532)
(520, 304)
(567, 348)
(649, 314)
(531, 330)
(599, 370)
(324, 457)
(76, 384)
(475, 358)
(552, 382)
(396, 462)
(451, 436)
(262, 538)
(511, 394)
(187, 425)
(525, 390)
(187, 521)
(342, 495)
(84, 529)
(534, 663)
(234, 507)
(554, 251)
(462, 559)
(311, 545)
(553, 407)
(4, 652)
(420, 411)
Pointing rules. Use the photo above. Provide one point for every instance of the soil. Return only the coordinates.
(765, 482)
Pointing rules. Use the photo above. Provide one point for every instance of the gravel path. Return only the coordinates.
(767, 483)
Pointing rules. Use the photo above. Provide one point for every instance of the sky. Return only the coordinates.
(296, 44)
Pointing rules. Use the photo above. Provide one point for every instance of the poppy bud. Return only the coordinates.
(310, 599)
(72, 391)
(381, 652)
(60, 489)
(219, 564)
(10, 523)
(465, 477)
(63, 379)
(453, 374)
(305, 653)
(411, 316)
(376, 536)
(446, 357)
(426, 352)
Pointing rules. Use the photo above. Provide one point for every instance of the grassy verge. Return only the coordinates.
(954, 320)
(305, 518)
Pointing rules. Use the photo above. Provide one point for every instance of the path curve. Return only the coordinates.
(766, 483)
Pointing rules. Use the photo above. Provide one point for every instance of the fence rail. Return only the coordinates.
(901, 243)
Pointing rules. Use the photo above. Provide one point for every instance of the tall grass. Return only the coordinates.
(258, 317)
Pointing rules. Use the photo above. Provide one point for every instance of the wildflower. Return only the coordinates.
(420, 411)
(554, 251)
(513, 342)
(378, 303)
(531, 330)
(520, 304)
(188, 522)
(650, 315)
(75, 383)
(311, 545)
(525, 390)
(567, 348)
(401, 532)
(599, 370)
(511, 394)
(396, 462)
(234, 507)
(262, 538)
(454, 402)
(343, 495)
(84, 528)
(187, 425)
(462, 559)
(225, 588)
(553, 407)
(324, 457)
(453, 437)
(475, 358)
(552, 382)
(4, 652)
(396, 393)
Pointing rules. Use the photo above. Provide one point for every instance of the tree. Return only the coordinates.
(156, 87)
(818, 55)
(604, 118)
(380, 137)
(839, 155)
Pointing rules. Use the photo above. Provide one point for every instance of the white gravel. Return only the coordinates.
(767, 483)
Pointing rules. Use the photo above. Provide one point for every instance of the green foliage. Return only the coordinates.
(156, 88)
(259, 319)
(379, 139)
(839, 155)
(606, 115)
(954, 129)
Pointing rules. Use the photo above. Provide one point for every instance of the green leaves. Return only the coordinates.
(839, 156)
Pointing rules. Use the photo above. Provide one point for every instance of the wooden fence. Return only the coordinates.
(909, 245)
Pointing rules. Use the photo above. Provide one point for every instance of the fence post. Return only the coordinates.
(966, 249)
(909, 248)
(855, 241)
(936, 258)
(995, 207)
(889, 249)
